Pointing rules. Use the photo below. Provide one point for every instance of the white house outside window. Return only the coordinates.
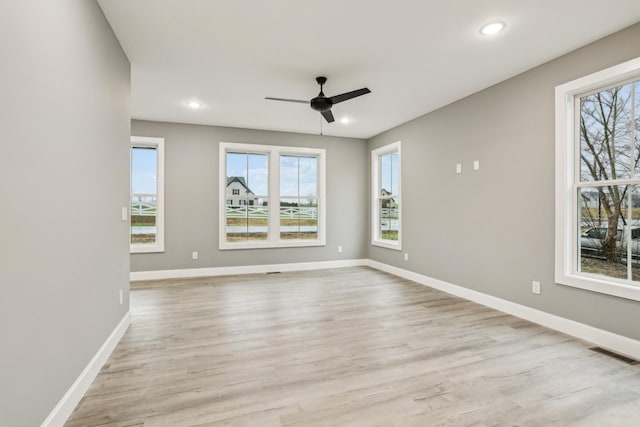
(386, 207)
(271, 196)
(598, 181)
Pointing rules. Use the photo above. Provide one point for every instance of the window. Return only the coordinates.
(271, 196)
(386, 218)
(147, 194)
(598, 182)
(298, 197)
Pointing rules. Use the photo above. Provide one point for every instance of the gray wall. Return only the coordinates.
(191, 197)
(64, 120)
(493, 230)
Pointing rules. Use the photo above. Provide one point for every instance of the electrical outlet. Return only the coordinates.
(340, 249)
(535, 287)
(476, 165)
(194, 255)
(459, 168)
(121, 296)
(406, 256)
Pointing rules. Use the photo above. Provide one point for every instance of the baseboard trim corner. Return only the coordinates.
(60, 414)
(248, 269)
(614, 342)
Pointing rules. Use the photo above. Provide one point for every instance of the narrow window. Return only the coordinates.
(385, 166)
(146, 197)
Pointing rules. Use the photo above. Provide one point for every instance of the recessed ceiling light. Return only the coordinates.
(345, 120)
(194, 104)
(492, 28)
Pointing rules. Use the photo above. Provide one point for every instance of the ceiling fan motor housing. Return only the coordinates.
(321, 103)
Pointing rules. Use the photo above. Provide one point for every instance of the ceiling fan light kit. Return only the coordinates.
(322, 103)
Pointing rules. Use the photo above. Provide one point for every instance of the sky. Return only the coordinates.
(143, 170)
(298, 175)
(389, 172)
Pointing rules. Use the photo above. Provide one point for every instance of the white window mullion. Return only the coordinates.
(274, 197)
(628, 233)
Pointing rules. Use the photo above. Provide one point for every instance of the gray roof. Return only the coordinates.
(241, 180)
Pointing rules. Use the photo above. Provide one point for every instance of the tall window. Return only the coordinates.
(386, 219)
(247, 196)
(147, 191)
(298, 197)
(598, 182)
(271, 196)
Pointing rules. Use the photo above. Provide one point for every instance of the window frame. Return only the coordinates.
(273, 232)
(158, 144)
(567, 97)
(376, 154)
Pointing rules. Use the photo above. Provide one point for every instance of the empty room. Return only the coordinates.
(291, 213)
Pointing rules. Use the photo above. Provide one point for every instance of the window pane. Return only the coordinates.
(388, 203)
(247, 215)
(389, 172)
(289, 176)
(388, 224)
(308, 186)
(606, 120)
(298, 203)
(298, 218)
(144, 192)
(603, 226)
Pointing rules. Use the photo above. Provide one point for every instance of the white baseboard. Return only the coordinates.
(72, 397)
(247, 269)
(614, 342)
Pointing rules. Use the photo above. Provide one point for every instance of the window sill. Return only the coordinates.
(601, 285)
(389, 244)
(271, 245)
(144, 249)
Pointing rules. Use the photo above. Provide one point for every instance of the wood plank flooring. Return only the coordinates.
(350, 346)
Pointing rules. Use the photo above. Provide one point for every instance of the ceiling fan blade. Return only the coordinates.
(328, 116)
(349, 95)
(287, 100)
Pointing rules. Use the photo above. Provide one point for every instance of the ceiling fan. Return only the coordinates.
(323, 103)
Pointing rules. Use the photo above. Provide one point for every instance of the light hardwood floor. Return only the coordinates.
(349, 346)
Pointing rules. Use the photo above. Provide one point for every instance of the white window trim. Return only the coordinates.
(274, 152)
(375, 179)
(158, 246)
(567, 162)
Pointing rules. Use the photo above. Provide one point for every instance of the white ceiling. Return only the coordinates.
(414, 55)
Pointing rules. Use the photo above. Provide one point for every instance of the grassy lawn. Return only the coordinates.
(389, 234)
(264, 221)
(243, 237)
(249, 221)
(142, 220)
(609, 269)
(143, 238)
